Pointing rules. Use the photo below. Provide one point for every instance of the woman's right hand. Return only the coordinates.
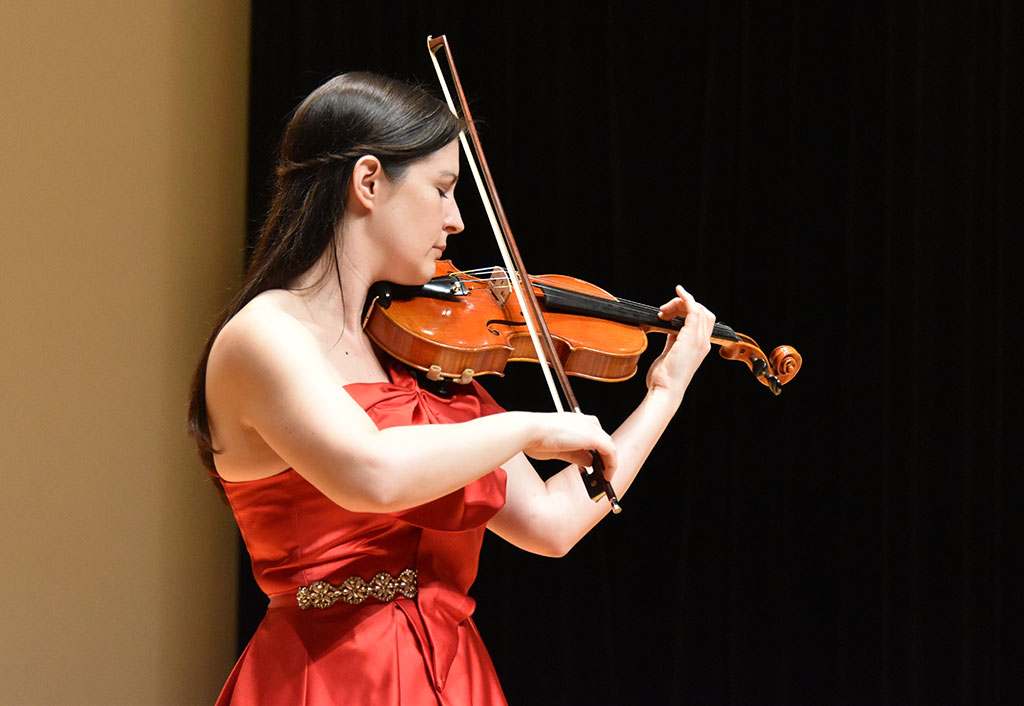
(571, 437)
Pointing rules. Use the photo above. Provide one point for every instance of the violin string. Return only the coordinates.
(622, 306)
(487, 276)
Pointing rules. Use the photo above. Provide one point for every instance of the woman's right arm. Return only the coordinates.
(268, 376)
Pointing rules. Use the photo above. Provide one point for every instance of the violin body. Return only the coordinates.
(461, 325)
(479, 332)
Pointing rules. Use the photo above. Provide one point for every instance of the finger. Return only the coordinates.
(579, 457)
(696, 312)
(682, 304)
(671, 309)
(711, 319)
(685, 296)
(605, 448)
(610, 457)
(705, 316)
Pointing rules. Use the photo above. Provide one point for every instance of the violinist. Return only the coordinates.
(362, 497)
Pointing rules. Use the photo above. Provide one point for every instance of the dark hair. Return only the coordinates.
(352, 115)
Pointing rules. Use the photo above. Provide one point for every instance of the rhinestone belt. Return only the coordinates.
(354, 590)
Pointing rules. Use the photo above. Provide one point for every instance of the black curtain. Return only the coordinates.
(833, 178)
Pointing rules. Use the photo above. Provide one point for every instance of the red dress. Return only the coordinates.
(424, 650)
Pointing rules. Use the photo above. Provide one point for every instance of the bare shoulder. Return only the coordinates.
(266, 333)
(267, 377)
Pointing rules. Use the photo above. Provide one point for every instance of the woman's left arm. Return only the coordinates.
(549, 517)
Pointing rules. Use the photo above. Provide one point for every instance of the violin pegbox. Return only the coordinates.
(773, 371)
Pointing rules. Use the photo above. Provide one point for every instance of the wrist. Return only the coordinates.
(530, 427)
(663, 400)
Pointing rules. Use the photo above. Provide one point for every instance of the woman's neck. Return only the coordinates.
(334, 292)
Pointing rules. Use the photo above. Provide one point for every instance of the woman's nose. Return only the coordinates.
(453, 222)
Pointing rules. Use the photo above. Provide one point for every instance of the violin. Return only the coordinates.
(463, 324)
(511, 304)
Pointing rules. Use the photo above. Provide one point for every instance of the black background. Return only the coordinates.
(838, 180)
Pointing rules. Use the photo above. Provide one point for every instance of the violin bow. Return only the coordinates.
(593, 477)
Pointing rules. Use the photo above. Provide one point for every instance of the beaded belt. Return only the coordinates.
(354, 590)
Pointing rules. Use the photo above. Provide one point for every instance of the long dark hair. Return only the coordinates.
(350, 116)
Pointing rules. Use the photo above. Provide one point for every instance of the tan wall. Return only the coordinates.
(122, 158)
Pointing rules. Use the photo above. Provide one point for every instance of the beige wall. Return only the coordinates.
(122, 157)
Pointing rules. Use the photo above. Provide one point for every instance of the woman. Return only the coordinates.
(361, 497)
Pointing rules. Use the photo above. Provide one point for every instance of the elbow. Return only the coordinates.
(554, 553)
(539, 540)
(563, 548)
(555, 545)
(545, 534)
(375, 499)
(370, 487)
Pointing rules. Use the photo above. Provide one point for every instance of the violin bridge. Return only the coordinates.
(499, 285)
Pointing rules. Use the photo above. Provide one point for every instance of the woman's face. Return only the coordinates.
(418, 214)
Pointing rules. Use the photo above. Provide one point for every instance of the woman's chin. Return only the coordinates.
(415, 279)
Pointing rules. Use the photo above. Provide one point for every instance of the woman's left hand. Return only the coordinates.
(684, 351)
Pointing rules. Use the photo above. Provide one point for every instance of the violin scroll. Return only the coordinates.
(773, 370)
(786, 362)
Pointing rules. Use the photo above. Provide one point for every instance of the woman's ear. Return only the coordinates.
(365, 183)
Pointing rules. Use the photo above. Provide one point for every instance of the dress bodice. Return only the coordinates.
(296, 535)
